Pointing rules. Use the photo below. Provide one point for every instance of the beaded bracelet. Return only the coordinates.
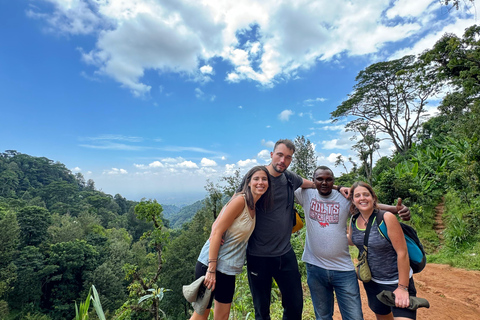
(401, 286)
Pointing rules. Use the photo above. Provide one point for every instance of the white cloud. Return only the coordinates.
(247, 163)
(269, 144)
(187, 165)
(264, 155)
(259, 40)
(76, 169)
(311, 102)
(323, 122)
(156, 164)
(427, 42)
(230, 169)
(71, 17)
(208, 163)
(206, 69)
(409, 8)
(285, 115)
(107, 145)
(115, 171)
(199, 94)
(113, 142)
(116, 137)
(338, 127)
(332, 157)
(344, 144)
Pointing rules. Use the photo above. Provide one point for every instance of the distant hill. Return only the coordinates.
(42, 182)
(170, 211)
(184, 214)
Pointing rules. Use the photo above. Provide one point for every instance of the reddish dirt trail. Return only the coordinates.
(452, 293)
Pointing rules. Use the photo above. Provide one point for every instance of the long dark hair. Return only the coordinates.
(353, 208)
(266, 199)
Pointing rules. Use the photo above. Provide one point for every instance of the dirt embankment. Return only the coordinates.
(452, 293)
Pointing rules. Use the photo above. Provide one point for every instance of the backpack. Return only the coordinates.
(416, 253)
(296, 217)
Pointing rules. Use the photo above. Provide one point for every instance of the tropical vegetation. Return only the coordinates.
(63, 239)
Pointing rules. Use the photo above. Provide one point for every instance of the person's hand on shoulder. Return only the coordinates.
(402, 210)
(344, 191)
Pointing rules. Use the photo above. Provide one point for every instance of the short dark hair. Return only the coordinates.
(287, 142)
(323, 168)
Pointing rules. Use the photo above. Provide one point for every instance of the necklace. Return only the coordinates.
(363, 218)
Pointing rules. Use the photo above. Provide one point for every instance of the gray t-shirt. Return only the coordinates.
(271, 236)
(326, 244)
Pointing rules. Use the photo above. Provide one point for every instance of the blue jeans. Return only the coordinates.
(323, 283)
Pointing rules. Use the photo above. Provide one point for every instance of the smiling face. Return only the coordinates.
(258, 183)
(363, 199)
(281, 158)
(324, 181)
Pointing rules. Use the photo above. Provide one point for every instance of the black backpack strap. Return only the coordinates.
(367, 230)
(291, 195)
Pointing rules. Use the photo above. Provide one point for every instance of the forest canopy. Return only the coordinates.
(60, 235)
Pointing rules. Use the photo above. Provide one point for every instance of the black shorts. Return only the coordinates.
(224, 285)
(372, 288)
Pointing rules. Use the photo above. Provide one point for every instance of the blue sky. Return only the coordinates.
(150, 98)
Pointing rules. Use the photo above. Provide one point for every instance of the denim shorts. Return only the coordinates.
(372, 288)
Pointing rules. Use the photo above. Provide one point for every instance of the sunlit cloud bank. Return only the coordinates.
(265, 42)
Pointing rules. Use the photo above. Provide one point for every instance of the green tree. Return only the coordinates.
(8, 183)
(9, 240)
(233, 182)
(304, 160)
(32, 272)
(59, 191)
(180, 259)
(109, 277)
(367, 143)
(146, 278)
(122, 203)
(457, 61)
(34, 223)
(73, 262)
(392, 97)
(214, 198)
(65, 228)
(339, 161)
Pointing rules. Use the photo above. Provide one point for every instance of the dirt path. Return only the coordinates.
(438, 225)
(452, 293)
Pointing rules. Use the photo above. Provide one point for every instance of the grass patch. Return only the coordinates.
(467, 259)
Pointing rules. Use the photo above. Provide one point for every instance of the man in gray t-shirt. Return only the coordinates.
(329, 265)
(328, 262)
